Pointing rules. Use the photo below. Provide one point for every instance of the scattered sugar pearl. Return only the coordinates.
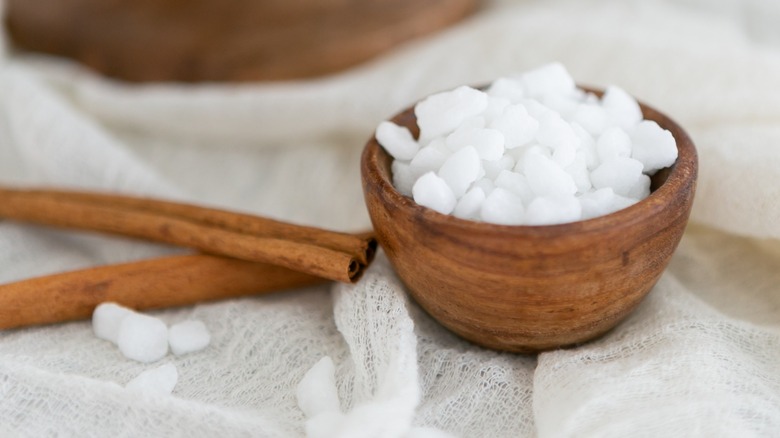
(143, 338)
(106, 320)
(432, 191)
(188, 336)
(316, 392)
(397, 140)
(160, 380)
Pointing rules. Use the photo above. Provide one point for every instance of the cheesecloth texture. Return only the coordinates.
(699, 357)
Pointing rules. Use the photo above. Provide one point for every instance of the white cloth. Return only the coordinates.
(699, 357)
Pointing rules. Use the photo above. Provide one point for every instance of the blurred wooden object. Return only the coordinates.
(234, 40)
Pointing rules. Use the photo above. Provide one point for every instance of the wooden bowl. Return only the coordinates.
(531, 288)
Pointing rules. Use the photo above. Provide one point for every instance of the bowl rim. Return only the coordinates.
(681, 178)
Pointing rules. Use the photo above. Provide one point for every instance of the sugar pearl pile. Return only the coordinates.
(530, 150)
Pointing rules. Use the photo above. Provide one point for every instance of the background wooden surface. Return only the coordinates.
(234, 40)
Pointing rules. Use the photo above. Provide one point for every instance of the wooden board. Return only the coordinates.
(233, 40)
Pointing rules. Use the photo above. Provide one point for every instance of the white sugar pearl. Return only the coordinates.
(621, 202)
(470, 204)
(160, 380)
(493, 168)
(397, 140)
(536, 109)
(565, 105)
(511, 89)
(463, 134)
(654, 146)
(489, 143)
(431, 157)
(433, 192)
(602, 202)
(143, 338)
(558, 135)
(515, 183)
(188, 336)
(622, 108)
(578, 170)
(404, 176)
(461, 169)
(517, 125)
(502, 207)
(521, 153)
(640, 189)
(547, 79)
(546, 177)
(317, 392)
(591, 117)
(485, 184)
(612, 143)
(495, 108)
(587, 146)
(106, 319)
(442, 113)
(550, 210)
(620, 173)
(597, 203)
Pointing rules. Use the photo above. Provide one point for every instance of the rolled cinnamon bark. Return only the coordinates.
(148, 284)
(326, 254)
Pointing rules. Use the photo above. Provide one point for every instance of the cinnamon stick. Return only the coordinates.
(362, 247)
(327, 254)
(156, 283)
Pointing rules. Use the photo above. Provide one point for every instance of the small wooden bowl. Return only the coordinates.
(531, 288)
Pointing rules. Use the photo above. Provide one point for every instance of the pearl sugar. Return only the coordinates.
(530, 150)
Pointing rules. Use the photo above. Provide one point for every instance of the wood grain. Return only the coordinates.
(209, 40)
(531, 288)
